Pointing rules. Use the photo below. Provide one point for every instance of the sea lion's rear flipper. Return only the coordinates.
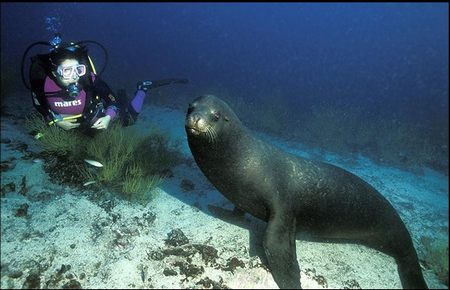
(407, 263)
(410, 272)
(279, 245)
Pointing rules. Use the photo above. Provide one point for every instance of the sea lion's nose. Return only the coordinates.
(192, 120)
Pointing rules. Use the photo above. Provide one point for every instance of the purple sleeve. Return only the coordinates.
(103, 90)
(112, 112)
(138, 101)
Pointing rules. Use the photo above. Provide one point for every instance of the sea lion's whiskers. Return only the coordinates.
(211, 134)
(208, 134)
(214, 134)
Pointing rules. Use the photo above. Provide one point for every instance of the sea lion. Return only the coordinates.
(294, 194)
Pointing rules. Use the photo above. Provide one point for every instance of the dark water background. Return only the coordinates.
(351, 78)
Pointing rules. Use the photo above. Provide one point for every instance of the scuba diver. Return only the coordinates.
(67, 91)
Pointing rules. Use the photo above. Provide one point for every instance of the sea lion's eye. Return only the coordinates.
(215, 116)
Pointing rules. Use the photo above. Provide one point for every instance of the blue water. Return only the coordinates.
(391, 56)
(387, 61)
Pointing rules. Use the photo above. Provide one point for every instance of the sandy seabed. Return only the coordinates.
(54, 236)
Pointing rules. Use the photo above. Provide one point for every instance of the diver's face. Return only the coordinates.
(69, 72)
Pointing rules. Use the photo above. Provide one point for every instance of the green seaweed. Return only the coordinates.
(133, 164)
(140, 188)
(436, 256)
(52, 138)
(157, 153)
(113, 148)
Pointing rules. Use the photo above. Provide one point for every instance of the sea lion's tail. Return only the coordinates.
(410, 272)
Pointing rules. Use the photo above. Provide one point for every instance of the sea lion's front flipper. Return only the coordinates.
(279, 245)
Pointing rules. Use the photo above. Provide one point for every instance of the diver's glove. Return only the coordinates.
(68, 124)
(144, 85)
(102, 123)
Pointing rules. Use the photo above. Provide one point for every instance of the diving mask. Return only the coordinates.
(69, 72)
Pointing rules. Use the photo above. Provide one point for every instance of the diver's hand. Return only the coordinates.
(102, 123)
(68, 124)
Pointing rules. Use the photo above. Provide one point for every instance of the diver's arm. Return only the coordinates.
(104, 92)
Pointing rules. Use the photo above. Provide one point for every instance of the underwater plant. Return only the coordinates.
(136, 186)
(114, 149)
(436, 255)
(132, 164)
(157, 153)
(53, 139)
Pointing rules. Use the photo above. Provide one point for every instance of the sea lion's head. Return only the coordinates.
(209, 119)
